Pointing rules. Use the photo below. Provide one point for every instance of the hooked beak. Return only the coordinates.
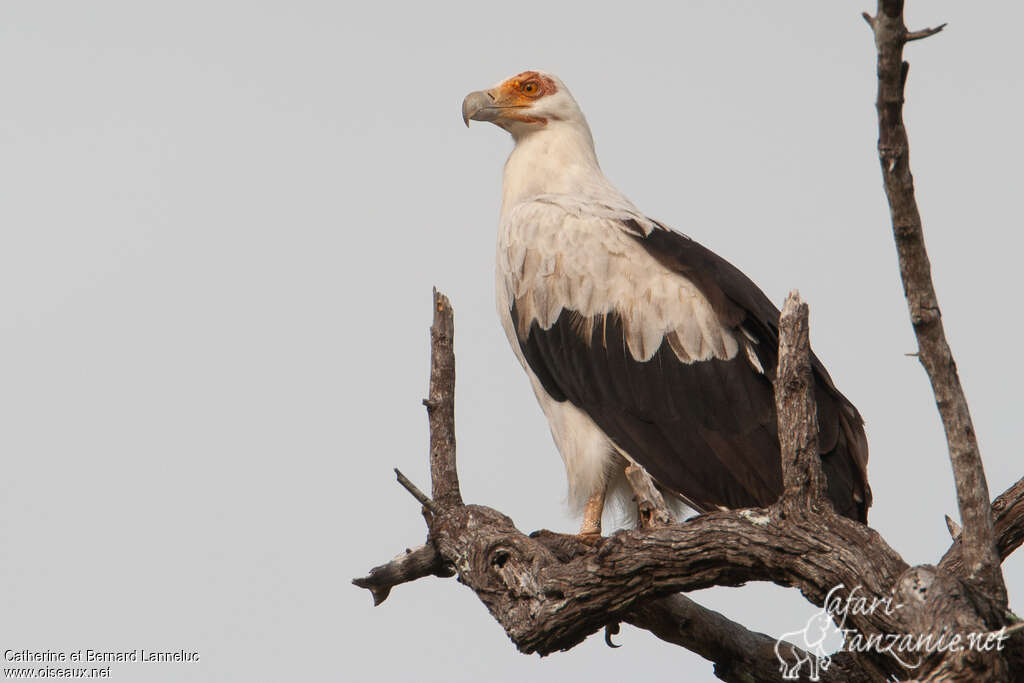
(479, 106)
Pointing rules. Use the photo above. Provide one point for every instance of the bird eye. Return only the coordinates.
(530, 88)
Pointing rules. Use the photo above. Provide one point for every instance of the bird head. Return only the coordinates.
(523, 104)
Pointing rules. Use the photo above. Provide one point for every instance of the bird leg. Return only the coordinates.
(591, 529)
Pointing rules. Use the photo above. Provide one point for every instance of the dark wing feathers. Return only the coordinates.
(738, 302)
(706, 430)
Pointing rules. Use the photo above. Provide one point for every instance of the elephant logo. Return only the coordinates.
(812, 638)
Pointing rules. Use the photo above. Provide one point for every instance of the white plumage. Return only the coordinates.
(561, 245)
(573, 252)
(551, 258)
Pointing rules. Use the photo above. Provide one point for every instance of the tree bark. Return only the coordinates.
(802, 478)
(440, 404)
(978, 551)
(550, 591)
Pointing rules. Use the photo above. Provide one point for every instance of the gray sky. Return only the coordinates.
(219, 226)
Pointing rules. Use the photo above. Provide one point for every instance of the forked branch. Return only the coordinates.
(980, 559)
(550, 591)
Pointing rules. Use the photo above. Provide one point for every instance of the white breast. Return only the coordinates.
(586, 451)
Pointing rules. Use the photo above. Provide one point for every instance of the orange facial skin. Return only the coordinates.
(521, 91)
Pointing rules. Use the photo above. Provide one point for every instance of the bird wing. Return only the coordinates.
(738, 301)
(669, 349)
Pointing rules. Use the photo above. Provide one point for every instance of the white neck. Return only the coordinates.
(556, 159)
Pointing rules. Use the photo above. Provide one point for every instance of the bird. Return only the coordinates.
(641, 345)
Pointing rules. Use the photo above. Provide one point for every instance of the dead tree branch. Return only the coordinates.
(414, 491)
(444, 476)
(978, 548)
(1008, 523)
(738, 654)
(802, 476)
(546, 605)
(650, 504)
(550, 591)
(413, 564)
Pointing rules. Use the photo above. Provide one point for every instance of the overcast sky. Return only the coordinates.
(219, 227)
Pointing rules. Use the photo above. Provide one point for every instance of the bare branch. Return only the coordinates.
(651, 508)
(802, 476)
(1016, 628)
(550, 591)
(413, 564)
(414, 490)
(1008, 519)
(924, 593)
(739, 654)
(440, 404)
(924, 33)
(954, 528)
(425, 559)
(1008, 523)
(548, 603)
(979, 551)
